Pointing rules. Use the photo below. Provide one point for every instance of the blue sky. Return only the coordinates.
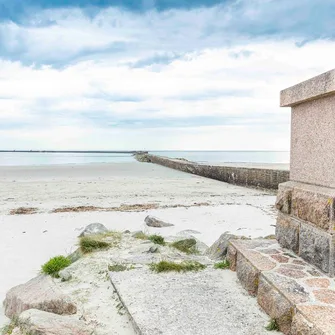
(156, 74)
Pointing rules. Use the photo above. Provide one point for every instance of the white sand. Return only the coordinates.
(30, 240)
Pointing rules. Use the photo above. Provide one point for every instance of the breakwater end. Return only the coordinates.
(258, 177)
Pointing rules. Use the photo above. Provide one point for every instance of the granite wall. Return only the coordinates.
(252, 177)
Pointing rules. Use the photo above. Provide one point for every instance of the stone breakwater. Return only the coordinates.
(244, 176)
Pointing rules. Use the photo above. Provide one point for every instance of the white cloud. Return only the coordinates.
(214, 95)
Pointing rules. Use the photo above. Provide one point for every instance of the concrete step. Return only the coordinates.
(298, 296)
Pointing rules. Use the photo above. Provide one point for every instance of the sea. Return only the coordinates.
(218, 157)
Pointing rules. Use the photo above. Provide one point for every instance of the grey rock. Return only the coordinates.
(35, 322)
(76, 255)
(153, 249)
(65, 275)
(94, 229)
(219, 249)
(38, 293)
(152, 221)
(314, 246)
(138, 234)
(287, 232)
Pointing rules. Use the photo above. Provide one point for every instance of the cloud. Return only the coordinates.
(164, 74)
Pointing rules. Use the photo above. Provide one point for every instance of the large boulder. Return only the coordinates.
(94, 229)
(152, 221)
(39, 293)
(219, 249)
(35, 322)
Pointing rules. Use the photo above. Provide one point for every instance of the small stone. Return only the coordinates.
(153, 250)
(318, 282)
(65, 275)
(297, 274)
(280, 258)
(326, 296)
(152, 221)
(94, 229)
(126, 232)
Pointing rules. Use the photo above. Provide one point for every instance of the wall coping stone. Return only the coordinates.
(314, 88)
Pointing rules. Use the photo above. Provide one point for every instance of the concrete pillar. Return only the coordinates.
(306, 204)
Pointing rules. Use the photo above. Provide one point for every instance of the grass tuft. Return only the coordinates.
(222, 265)
(54, 265)
(187, 246)
(272, 326)
(140, 235)
(92, 243)
(165, 266)
(157, 239)
(8, 329)
(120, 267)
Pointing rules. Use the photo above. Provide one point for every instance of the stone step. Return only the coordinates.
(298, 296)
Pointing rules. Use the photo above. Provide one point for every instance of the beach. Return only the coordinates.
(120, 196)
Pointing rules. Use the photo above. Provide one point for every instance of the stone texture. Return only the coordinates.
(326, 296)
(232, 257)
(247, 274)
(280, 258)
(94, 229)
(311, 89)
(314, 246)
(312, 206)
(39, 293)
(152, 221)
(322, 317)
(317, 282)
(297, 274)
(35, 322)
(275, 305)
(219, 248)
(287, 232)
(313, 142)
(284, 198)
(300, 326)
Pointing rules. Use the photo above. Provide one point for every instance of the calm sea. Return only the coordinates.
(19, 159)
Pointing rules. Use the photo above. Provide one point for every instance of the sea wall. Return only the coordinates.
(252, 177)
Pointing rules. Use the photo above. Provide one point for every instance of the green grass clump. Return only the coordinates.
(187, 246)
(8, 329)
(222, 265)
(54, 265)
(89, 244)
(165, 266)
(140, 235)
(119, 268)
(157, 239)
(272, 326)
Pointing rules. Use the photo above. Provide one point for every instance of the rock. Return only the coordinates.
(65, 275)
(76, 255)
(219, 249)
(153, 249)
(152, 221)
(126, 232)
(39, 293)
(138, 234)
(35, 322)
(94, 229)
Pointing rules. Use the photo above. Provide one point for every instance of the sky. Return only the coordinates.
(156, 74)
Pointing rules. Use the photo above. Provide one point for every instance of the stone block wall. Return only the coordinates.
(251, 177)
(306, 223)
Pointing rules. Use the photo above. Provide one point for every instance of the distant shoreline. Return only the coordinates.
(76, 151)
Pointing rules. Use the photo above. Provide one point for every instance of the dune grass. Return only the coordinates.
(272, 326)
(165, 266)
(54, 265)
(222, 265)
(188, 246)
(89, 244)
(157, 239)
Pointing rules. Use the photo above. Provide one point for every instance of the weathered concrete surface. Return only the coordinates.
(207, 302)
(290, 290)
(35, 322)
(253, 177)
(38, 293)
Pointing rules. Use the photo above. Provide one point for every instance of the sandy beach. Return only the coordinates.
(189, 202)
